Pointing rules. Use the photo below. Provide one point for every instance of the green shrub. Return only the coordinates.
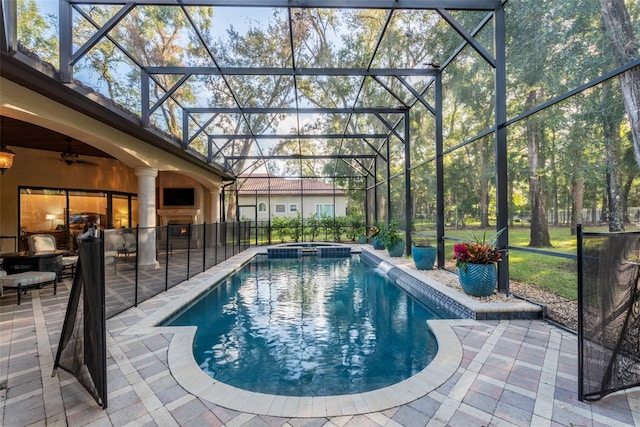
(326, 222)
(389, 235)
(340, 224)
(312, 226)
(355, 227)
(279, 227)
(294, 227)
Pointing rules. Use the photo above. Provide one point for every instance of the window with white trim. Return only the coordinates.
(262, 207)
(293, 207)
(280, 208)
(324, 209)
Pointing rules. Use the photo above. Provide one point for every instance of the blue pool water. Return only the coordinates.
(309, 327)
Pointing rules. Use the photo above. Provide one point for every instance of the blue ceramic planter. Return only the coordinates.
(478, 280)
(377, 243)
(397, 250)
(362, 239)
(424, 257)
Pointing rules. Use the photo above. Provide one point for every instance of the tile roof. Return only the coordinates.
(262, 184)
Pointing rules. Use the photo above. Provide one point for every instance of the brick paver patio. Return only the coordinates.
(511, 373)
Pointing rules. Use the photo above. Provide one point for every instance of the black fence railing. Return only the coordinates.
(143, 262)
(338, 229)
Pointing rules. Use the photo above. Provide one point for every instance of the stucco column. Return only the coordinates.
(214, 193)
(147, 217)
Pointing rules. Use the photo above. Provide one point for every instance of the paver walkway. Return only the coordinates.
(513, 373)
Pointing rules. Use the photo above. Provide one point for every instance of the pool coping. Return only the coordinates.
(185, 370)
(189, 375)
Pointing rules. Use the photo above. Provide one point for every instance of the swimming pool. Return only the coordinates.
(309, 327)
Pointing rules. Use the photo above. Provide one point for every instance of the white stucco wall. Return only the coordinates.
(307, 206)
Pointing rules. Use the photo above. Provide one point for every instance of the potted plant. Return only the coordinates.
(392, 240)
(423, 254)
(362, 234)
(376, 237)
(476, 262)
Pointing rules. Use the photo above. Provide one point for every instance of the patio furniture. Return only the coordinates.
(19, 262)
(121, 243)
(110, 245)
(130, 244)
(40, 243)
(21, 282)
(69, 266)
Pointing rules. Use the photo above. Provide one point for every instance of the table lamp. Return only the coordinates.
(50, 217)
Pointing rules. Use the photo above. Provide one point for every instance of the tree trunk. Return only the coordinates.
(232, 205)
(485, 184)
(605, 208)
(484, 204)
(611, 128)
(554, 186)
(539, 236)
(511, 207)
(617, 24)
(577, 201)
(626, 190)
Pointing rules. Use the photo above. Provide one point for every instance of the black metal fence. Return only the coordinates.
(608, 313)
(143, 262)
(329, 229)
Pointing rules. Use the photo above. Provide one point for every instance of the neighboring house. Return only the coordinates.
(263, 198)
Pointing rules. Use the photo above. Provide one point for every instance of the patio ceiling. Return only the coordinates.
(264, 82)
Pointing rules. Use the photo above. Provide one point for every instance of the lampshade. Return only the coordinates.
(6, 159)
(49, 217)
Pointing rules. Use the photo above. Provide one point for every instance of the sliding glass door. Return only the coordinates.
(64, 213)
(124, 211)
(42, 211)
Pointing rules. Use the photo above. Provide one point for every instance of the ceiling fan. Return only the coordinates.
(71, 158)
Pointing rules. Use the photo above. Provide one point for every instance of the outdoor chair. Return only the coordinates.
(130, 244)
(45, 243)
(111, 244)
(116, 245)
(41, 243)
(21, 282)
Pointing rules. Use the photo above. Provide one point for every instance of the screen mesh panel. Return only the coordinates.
(609, 316)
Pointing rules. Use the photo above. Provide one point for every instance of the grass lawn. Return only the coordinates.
(558, 275)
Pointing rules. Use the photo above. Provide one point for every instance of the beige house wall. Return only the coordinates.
(306, 206)
(176, 180)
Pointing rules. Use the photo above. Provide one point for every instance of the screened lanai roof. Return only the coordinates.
(259, 84)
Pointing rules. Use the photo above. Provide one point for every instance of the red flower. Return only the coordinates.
(460, 252)
(477, 252)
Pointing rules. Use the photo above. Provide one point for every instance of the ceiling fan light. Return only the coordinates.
(6, 159)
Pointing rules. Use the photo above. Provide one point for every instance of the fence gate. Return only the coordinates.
(608, 313)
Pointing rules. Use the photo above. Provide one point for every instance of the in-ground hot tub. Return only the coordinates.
(321, 250)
